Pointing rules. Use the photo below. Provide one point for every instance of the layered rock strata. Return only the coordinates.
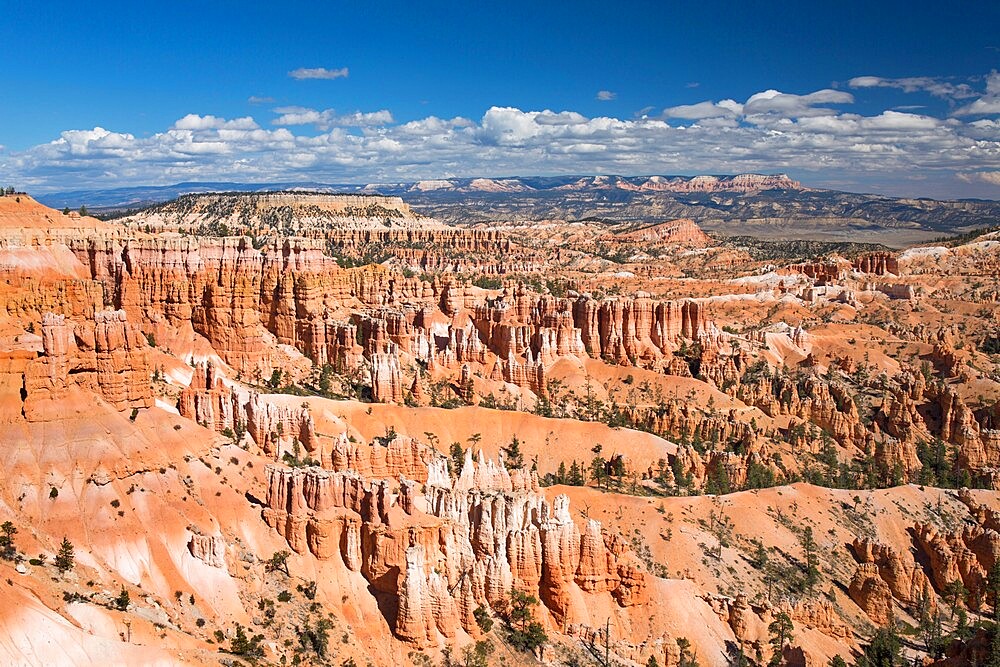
(460, 545)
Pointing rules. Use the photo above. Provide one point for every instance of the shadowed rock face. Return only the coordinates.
(882, 575)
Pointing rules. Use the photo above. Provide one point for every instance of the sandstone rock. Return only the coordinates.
(488, 531)
(208, 401)
(108, 356)
(871, 593)
(387, 380)
(878, 263)
(208, 548)
(905, 578)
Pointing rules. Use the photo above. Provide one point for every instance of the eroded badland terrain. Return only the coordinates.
(295, 428)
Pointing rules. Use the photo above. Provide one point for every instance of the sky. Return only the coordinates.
(901, 98)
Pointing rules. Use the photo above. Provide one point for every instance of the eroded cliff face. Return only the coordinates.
(882, 575)
(246, 301)
(290, 213)
(107, 356)
(461, 544)
(964, 555)
(241, 299)
(879, 263)
(818, 368)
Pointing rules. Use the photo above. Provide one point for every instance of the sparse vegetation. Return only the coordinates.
(524, 633)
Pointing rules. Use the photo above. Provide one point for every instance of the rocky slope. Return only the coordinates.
(290, 212)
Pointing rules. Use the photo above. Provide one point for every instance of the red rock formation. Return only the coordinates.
(401, 456)
(682, 232)
(489, 531)
(211, 549)
(893, 290)
(119, 352)
(984, 516)
(208, 401)
(965, 556)
(871, 593)
(621, 330)
(820, 615)
(108, 356)
(822, 273)
(905, 578)
(276, 429)
(386, 377)
(878, 263)
(237, 296)
(830, 406)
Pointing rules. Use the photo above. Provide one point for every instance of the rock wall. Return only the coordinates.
(878, 263)
(108, 356)
(242, 299)
(884, 574)
(208, 401)
(460, 545)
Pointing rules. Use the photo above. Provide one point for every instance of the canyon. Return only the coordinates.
(349, 431)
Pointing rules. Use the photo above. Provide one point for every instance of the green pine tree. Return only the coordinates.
(65, 560)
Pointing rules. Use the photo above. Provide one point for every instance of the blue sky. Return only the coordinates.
(896, 97)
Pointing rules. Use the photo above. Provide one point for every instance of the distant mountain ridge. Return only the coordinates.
(766, 206)
(139, 196)
(744, 183)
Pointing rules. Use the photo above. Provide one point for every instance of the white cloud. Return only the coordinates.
(196, 122)
(771, 131)
(786, 105)
(606, 95)
(767, 106)
(989, 103)
(912, 84)
(705, 110)
(318, 73)
(260, 99)
(561, 118)
(329, 118)
(990, 177)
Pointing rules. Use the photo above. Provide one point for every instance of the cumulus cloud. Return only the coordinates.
(769, 104)
(786, 105)
(771, 131)
(196, 122)
(989, 103)
(260, 99)
(990, 177)
(561, 118)
(705, 110)
(606, 95)
(329, 118)
(318, 73)
(912, 84)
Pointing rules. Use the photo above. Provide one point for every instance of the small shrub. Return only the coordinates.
(123, 600)
(483, 619)
(244, 645)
